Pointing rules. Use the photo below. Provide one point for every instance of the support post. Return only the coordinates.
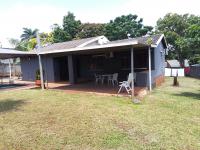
(132, 72)
(71, 69)
(40, 62)
(10, 70)
(150, 83)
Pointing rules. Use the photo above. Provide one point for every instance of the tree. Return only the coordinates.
(91, 30)
(182, 32)
(13, 42)
(121, 26)
(28, 34)
(18, 44)
(59, 35)
(70, 25)
(31, 42)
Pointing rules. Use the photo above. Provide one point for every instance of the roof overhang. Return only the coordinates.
(163, 40)
(9, 53)
(132, 44)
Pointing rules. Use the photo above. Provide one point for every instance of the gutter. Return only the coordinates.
(132, 43)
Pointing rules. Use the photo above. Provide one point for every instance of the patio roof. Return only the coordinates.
(87, 45)
(6, 53)
(88, 48)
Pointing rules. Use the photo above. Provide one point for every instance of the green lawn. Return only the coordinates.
(168, 118)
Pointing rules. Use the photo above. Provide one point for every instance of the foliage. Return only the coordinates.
(91, 30)
(13, 42)
(37, 74)
(121, 26)
(59, 35)
(69, 29)
(70, 25)
(183, 33)
(114, 30)
(27, 42)
(28, 34)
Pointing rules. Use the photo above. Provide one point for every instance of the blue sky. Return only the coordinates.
(41, 14)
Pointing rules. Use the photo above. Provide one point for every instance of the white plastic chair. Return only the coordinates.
(97, 78)
(127, 84)
(113, 79)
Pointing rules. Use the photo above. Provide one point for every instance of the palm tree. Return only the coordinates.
(28, 34)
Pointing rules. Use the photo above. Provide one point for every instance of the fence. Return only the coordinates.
(195, 71)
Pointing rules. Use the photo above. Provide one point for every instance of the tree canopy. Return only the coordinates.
(28, 34)
(91, 30)
(116, 29)
(70, 25)
(121, 26)
(183, 33)
(69, 29)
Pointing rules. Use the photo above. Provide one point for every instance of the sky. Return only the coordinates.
(42, 14)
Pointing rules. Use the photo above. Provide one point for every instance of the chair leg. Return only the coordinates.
(108, 81)
(127, 90)
(102, 81)
(119, 90)
(96, 81)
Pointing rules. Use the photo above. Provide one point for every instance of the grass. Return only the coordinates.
(168, 118)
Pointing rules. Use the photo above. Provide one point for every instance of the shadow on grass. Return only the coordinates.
(8, 105)
(189, 95)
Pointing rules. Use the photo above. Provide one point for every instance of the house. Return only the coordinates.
(77, 61)
(174, 68)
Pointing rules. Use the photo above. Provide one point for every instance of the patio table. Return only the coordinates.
(106, 76)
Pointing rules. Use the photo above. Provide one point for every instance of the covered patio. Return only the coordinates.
(80, 65)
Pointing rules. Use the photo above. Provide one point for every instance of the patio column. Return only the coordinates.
(149, 53)
(132, 72)
(71, 69)
(40, 61)
(10, 70)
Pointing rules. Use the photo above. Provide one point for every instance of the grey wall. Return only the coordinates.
(29, 65)
(159, 58)
(142, 78)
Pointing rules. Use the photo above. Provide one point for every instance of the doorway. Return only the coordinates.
(61, 68)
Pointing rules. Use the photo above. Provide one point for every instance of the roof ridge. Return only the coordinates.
(77, 39)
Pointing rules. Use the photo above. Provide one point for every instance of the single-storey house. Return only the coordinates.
(77, 61)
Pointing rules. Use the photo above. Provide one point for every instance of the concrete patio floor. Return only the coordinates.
(91, 87)
(88, 87)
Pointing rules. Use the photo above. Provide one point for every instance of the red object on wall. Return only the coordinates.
(187, 70)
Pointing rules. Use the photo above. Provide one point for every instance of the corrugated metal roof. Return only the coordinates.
(11, 53)
(173, 64)
(74, 45)
(84, 44)
(68, 44)
(142, 40)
